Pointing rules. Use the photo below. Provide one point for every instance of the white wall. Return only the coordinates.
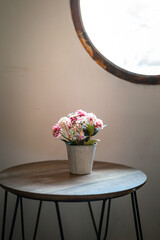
(44, 74)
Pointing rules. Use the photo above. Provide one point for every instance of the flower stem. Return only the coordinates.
(65, 137)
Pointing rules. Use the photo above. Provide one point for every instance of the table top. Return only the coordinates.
(51, 180)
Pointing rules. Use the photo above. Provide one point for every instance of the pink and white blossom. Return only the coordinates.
(56, 130)
(64, 122)
(81, 113)
(73, 119)
(99, 124)
(78, 127)
(91, 119)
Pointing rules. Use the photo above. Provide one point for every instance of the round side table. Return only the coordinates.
(52, 181)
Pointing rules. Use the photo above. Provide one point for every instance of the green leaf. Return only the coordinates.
(95, 131)
(91, 142)
(90, 130)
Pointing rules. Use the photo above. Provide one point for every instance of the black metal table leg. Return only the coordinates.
(93, 220)
(22, 219)
(37, 221)
(4, 215)
(98, 232)
(107, 220)
(101, 220)
(136, 216)
(14, 218)
(59, 220)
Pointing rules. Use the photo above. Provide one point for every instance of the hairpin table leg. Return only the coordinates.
(107, 220)
(136, 216)
(22, 219)
(101, 219)
(59, 220)
(4, 215)
(98, 232)
(14, 218)
(37, 221)
(93, 220)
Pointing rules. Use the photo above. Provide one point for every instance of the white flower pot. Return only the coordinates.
(81, 158)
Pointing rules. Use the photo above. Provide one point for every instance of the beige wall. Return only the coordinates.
(44, 74)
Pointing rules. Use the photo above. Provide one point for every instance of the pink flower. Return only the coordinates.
(56, 130)
(99, 124)
(73, 119)
(81, 113)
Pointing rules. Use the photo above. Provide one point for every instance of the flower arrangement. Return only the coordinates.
(78, 128)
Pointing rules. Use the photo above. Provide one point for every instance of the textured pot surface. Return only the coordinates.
(81, 158)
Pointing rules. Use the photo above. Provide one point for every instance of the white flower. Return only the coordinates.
(91, 119)
(64, 122)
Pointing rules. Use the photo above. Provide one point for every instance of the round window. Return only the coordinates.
(123, 36)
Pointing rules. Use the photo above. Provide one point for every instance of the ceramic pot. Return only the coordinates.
(81, 158)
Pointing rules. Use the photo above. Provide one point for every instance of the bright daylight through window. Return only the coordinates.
(126, 32)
